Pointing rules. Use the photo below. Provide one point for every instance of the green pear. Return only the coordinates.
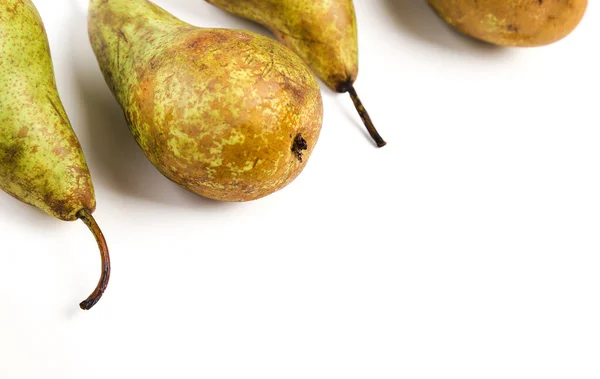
(41, 162)
(322, 32)
(227, 114)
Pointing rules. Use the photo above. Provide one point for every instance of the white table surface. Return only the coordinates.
(469, 247)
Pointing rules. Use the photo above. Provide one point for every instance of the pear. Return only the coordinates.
(512, 22)
(322, 32)
(41, 162)
(227, 114)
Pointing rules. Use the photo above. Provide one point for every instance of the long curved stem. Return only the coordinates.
(365, 117)
(85, 216)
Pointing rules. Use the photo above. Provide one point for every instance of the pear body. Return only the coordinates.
(227, 114)
(41, 162)
(512, 22)
(322, 32)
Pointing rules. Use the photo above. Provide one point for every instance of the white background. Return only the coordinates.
(469, 247)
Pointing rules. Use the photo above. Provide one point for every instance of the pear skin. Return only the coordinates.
(512, 22)
(322, 32)
(41, 161)
(227, 114)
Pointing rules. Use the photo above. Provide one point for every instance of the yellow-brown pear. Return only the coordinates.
(227, 114)
(512, 22)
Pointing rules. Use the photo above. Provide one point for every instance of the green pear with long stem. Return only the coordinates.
(41, 162)
(322, 32)
(227, 114)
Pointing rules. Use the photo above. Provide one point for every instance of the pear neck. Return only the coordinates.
(137, 18)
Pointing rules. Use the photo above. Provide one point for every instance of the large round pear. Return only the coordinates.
(227, 114)
(513, 22)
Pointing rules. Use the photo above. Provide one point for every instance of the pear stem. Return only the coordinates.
(85, 216)
(365, 117)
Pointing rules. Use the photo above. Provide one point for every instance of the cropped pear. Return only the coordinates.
(512, 22)
(41, 162)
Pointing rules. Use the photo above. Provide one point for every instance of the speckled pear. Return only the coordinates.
(41, 162)
(227, 114)
(512, 22)
(322, 32)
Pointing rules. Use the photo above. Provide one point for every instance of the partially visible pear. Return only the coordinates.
(227, 114)
(41, 162)
(322, 32)
(512, 22)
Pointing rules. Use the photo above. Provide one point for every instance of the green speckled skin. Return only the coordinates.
(216, 111)
(41, 162)
(523, 23)
(322, 32)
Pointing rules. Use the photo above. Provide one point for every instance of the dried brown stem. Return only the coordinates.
(85, 216)
(365, 117)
